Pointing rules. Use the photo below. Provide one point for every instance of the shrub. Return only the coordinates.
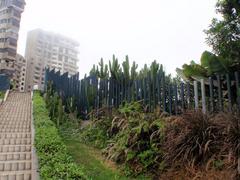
(54, 161)
(128, 139)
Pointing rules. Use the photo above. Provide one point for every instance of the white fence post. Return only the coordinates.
(204, 109)
(196, 94)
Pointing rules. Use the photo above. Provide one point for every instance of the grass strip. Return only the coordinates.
(54, 161)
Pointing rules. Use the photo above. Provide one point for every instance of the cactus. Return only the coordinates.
(114, 68)
(126, 69)
(134, 73)
(103, 72)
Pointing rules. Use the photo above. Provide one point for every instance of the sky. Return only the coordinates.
(170, 32)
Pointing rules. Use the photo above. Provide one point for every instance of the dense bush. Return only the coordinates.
(129, 138)
(54, 161)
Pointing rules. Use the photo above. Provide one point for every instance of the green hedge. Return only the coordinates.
(54, 161)
(2, 93)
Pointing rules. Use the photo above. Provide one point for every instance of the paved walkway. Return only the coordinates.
(16, 138)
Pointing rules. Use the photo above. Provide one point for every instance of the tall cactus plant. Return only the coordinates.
(114, 68)
(103, 72)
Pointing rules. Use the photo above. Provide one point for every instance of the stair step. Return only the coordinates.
(15, 126)
(15, 135)
(15, 148)
(15, 165)
(17, 141)
(9, 130)
(13, 156)
(2, 123)
(16, 175)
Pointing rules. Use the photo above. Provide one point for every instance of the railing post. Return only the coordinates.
(229, 93)
(211, 94)
(196, 94)
(204, 109)
(238, 91)
(219, 84)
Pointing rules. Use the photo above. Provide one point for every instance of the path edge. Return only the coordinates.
(35, 166)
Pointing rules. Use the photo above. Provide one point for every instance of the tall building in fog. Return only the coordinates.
(10, 16)
(49, 50)
(20, 73)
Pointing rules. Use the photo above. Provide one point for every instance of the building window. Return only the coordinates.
(66, 59)
(3, 30)
(15, 23)
(60, 57)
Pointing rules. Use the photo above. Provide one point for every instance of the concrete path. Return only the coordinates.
(16, 144)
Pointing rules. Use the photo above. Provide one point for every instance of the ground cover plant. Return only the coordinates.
(54, 161)
(186, 145)
(2, 93)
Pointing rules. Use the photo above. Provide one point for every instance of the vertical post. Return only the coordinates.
(145, 91)
(149, 91)
(238, 91)
(229, 93)
(204, 109)
(196, 94)
(182, 96)
(164, 93)
(211, 94)
(154, 91)
(159, 89)
(220, 106)
(170, 98)
(188, 95)
(176, 99)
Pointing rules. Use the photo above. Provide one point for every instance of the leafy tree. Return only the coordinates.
(224, 35)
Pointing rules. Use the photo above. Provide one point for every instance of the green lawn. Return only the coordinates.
(92, 162)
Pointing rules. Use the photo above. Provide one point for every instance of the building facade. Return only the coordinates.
(10, 16)
(48, 50)
(20, 73)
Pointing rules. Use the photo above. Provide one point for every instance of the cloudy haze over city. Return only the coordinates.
(169, 31)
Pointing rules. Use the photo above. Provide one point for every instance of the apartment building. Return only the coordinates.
(10, 16)
(20, 73)
(49, 50)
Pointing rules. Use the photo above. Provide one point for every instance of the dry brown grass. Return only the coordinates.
(198, 174)
(196, 140)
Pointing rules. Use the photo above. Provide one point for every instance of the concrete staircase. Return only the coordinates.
(16, 138)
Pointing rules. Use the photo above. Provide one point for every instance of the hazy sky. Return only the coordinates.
(170, 31)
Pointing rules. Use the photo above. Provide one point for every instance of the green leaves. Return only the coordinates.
(210, 64)
(224, 35)
(214, 64)
(55, 163)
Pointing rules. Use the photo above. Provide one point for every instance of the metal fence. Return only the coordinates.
(213, 94)
(4, 82)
